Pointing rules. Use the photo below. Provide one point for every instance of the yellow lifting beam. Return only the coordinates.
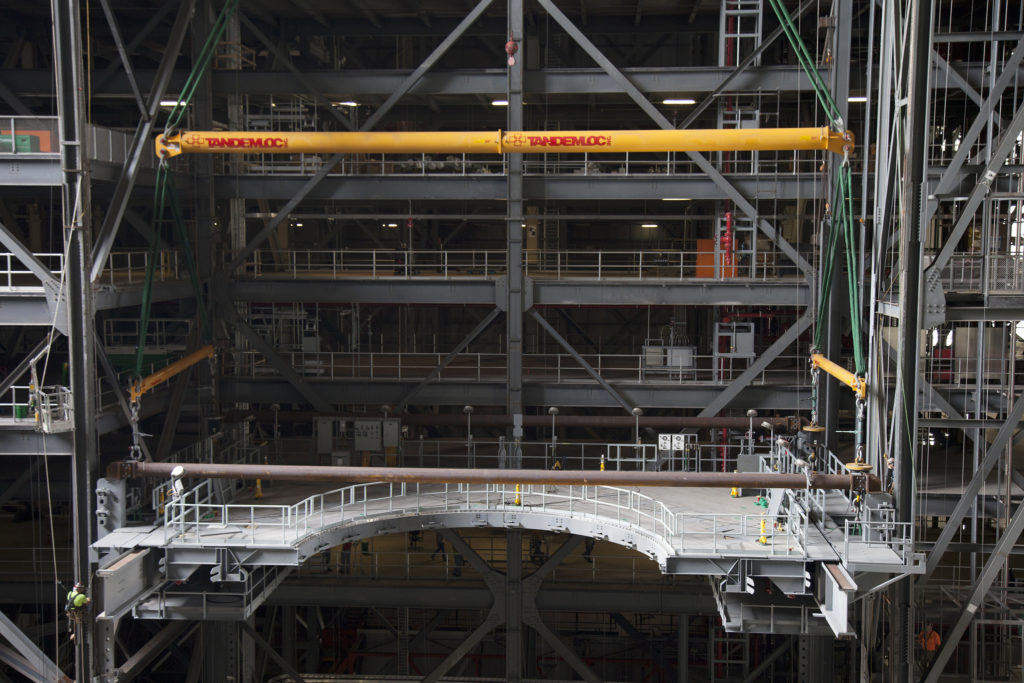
(499, 142)
(176, 368)
(851, 380)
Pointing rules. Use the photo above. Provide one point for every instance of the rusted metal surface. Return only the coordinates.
(443, 475)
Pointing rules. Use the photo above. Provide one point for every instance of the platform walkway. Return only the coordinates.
(294, 522)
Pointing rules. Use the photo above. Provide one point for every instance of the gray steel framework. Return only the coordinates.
(590, 395)
(381, 82)
(993, 566)
(967, 78)
(494, 187)
(140, 143)
(485, 292)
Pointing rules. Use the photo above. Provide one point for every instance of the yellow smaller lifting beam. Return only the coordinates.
(504, 142)
(176, 368)
(851, 380)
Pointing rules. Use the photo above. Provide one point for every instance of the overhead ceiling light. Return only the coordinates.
(392, 225)
(172, 103)
(298, 225)
(676, 199)
(649, 225)
(346, 103)
(679, 100)
(499, 103)
(858, 98)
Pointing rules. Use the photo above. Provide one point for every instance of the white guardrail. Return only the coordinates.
(195, 517)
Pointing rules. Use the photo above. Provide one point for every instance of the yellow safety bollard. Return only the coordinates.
(518, 501)
(259, 489)
(602, 463)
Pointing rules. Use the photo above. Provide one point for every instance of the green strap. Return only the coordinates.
(820, 89)
(159, 199)
(165, 191)
(188, 91)
(841, 224)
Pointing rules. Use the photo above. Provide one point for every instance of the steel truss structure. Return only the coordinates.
(385, 296)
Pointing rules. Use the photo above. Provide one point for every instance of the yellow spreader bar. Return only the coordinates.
(164, 374)
(851, 380)
(503, 142)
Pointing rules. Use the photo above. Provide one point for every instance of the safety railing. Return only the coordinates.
(129, 267)
(17, 405)
(480, 367)
(56, 409)
(16, 277)
(231, 446)
(112, 146)
(194, 518)
(107, 394)
(764, 263)
(29, 136)
(488, 453)
(243, 596)
(880, 539)
(632, 164)
(675, 264)
(376, 263)
(861, 537)
(965, 369)
(162, 334)
(964, 273)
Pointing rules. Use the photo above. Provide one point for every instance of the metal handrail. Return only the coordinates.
(185, 518)
(687, 263)
(481, 367)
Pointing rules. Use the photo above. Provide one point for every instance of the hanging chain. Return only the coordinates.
(135, 451)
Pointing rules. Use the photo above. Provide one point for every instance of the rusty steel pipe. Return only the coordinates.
(446, 475)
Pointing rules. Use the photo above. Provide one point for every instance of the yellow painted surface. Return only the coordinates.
(840, 373)
(498, 142)
(172, 370)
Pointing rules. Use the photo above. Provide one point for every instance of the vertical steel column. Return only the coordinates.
(288, 633)
(75, 214)
(915, 189)
(514, 226)
(202, 169)
(828, 409)
(683, 674)
(882, 221)
(514, 606)
(222, 649)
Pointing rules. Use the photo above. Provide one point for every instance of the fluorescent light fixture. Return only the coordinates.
(298, 225)
(171, 103)
(676, 199)
(392, 225)
(499, 103)
(346, 103)
(679, 100)
(858, 98)
(649, 225)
